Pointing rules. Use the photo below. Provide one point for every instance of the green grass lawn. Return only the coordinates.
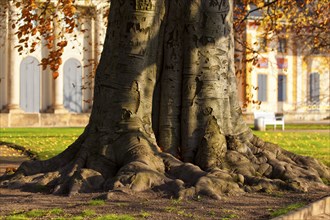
(298, 127)
(314, 144)
(45, 142)
(307, 127)
(48, 142)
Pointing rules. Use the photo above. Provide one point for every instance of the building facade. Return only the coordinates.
(285, 78)
(28, 94)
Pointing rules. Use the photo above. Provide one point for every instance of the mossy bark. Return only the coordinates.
(166, 114)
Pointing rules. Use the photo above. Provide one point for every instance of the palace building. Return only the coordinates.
(29, 96)
(286, 79)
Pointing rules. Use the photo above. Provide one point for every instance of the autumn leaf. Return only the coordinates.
(62, 43)
(55, 75)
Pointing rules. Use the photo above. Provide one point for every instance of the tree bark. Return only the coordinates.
(166, 113)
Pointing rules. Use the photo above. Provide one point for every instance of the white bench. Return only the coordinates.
(261, 119)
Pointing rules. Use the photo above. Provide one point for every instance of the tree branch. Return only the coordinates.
(256, 9)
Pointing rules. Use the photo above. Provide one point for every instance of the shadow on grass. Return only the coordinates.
(28, 153)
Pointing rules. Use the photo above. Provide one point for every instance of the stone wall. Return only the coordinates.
(43, 120)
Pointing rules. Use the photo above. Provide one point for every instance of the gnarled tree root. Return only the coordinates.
(139, 165)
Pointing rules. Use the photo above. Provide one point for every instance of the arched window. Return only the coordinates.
(30, 85)
(72, 85)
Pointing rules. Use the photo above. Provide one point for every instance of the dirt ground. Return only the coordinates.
(149, 205)
(152, 205)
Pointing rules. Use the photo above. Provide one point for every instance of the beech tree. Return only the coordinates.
(166, 114)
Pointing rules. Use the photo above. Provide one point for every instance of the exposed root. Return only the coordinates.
(224, 165)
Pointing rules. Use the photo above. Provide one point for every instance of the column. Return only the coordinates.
(58, 96)
(47, 83)
(13, 64)
(3, 55)
(88, 62)
(300, 101)
(99, 31)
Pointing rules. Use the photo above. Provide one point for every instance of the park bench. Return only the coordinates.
(261, 119)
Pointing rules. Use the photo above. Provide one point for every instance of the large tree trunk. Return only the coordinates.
(166, 114)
